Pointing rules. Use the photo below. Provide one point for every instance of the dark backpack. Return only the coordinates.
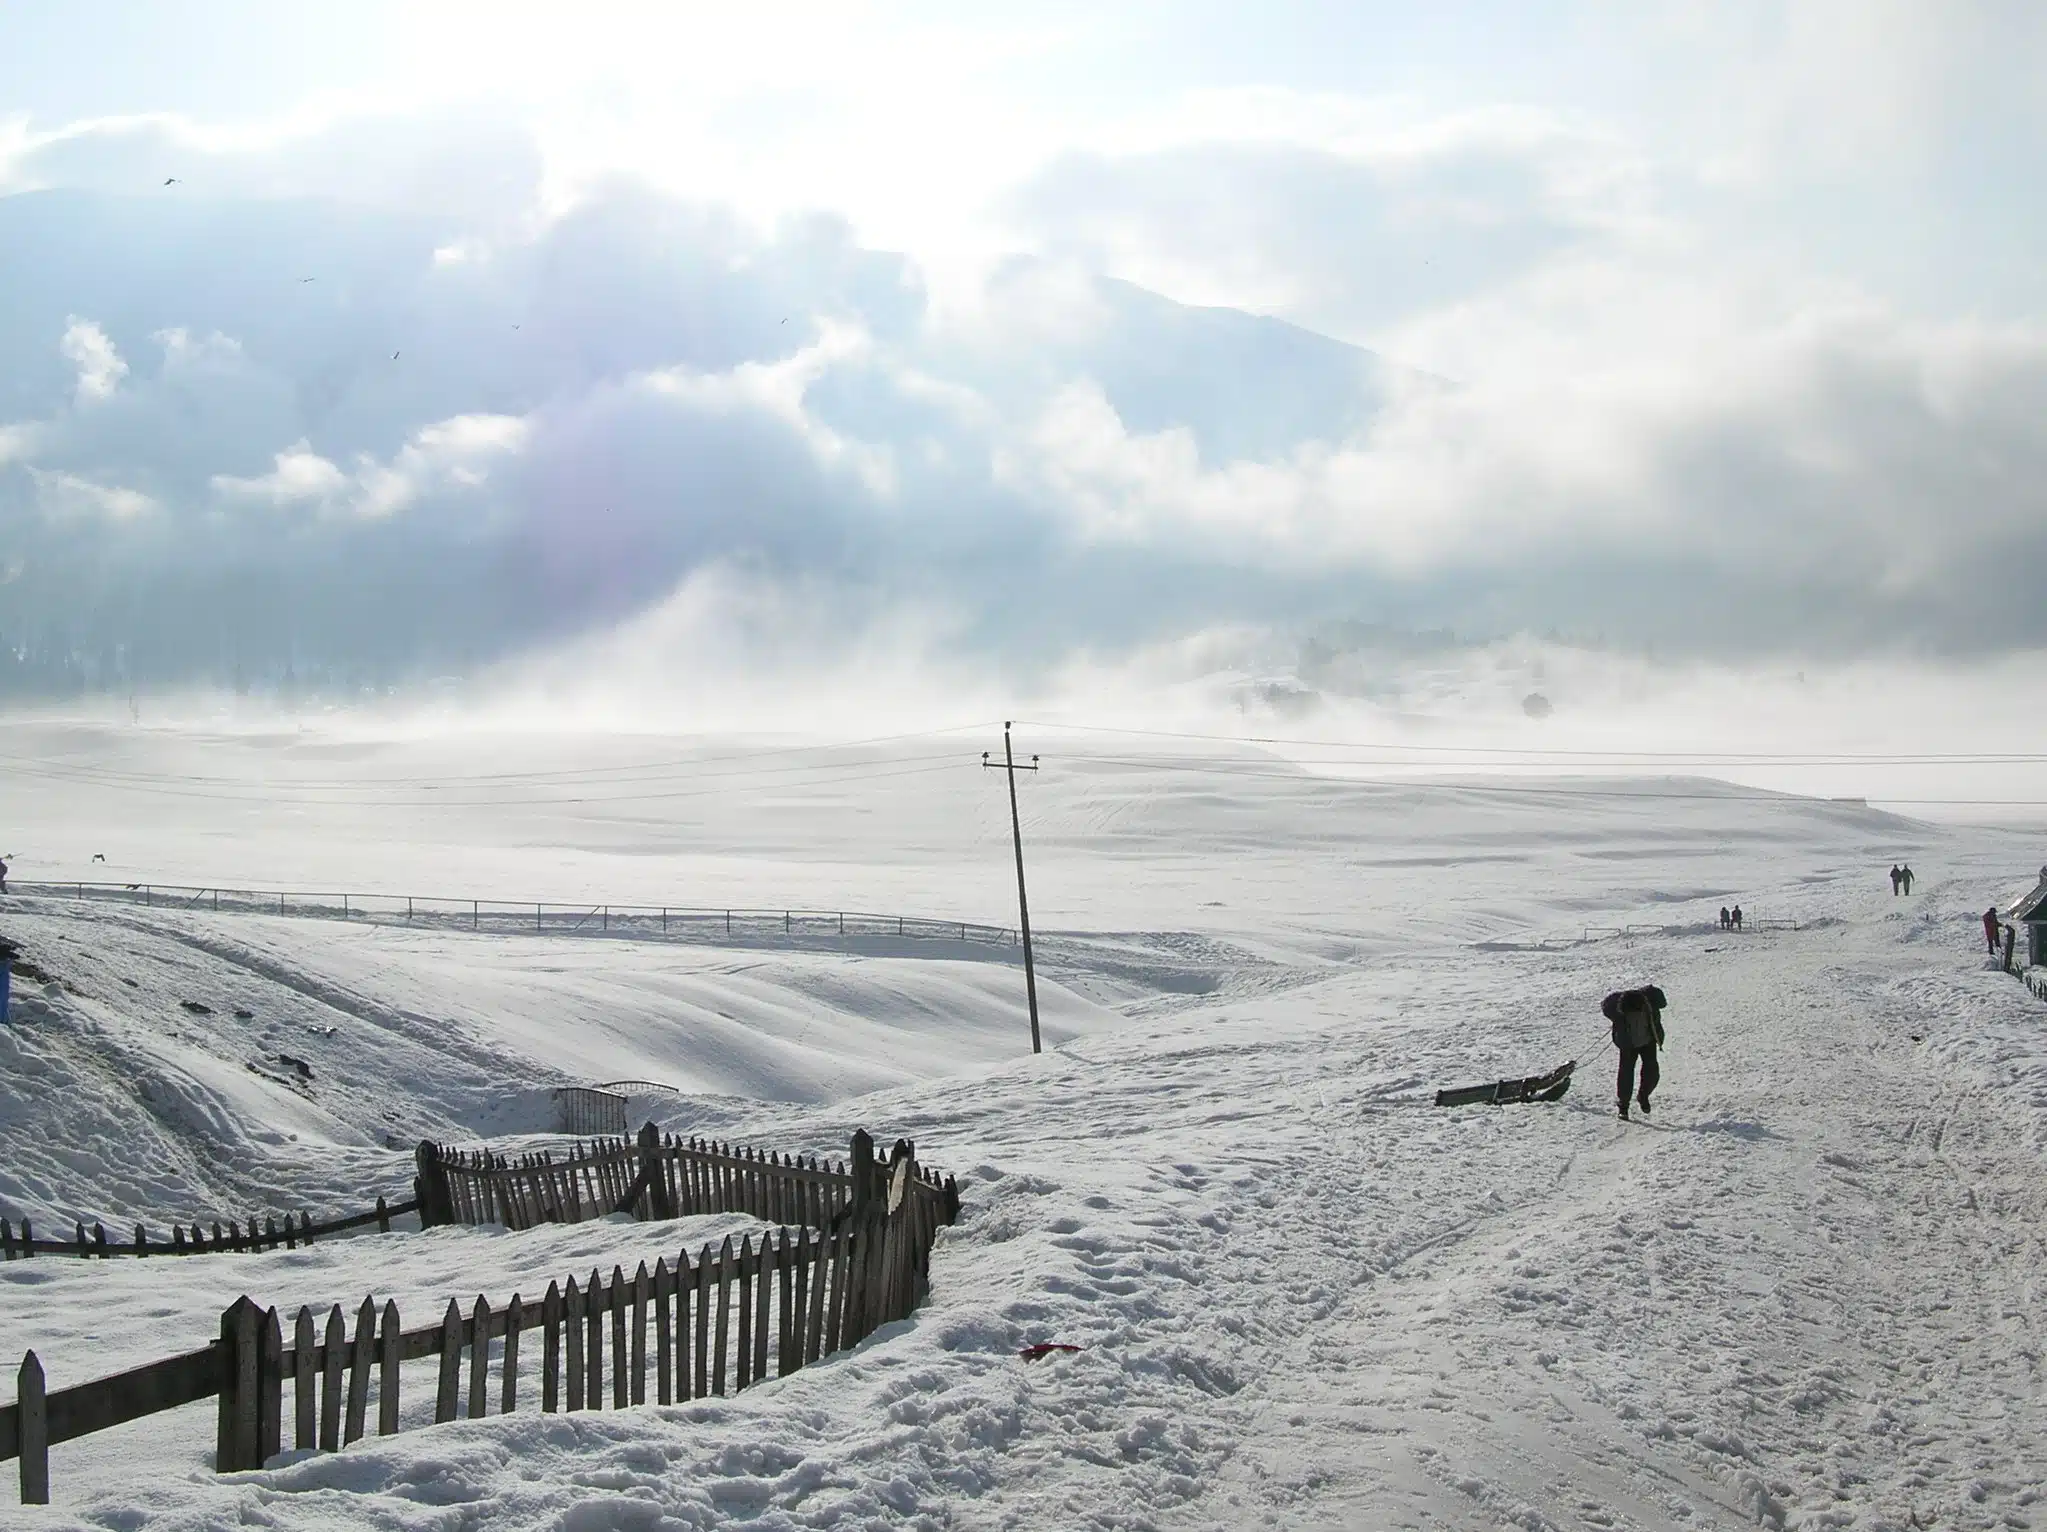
(1616, 1003)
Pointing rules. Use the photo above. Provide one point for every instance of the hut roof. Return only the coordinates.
(2033, 908)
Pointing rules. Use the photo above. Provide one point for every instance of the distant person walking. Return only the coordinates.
(1726, 920)
(1637, 1017)
(1737, 917)
(1990, 929)
(1897, 875)
(1905, 877)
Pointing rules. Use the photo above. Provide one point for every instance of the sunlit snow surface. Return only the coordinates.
(1805, 1293)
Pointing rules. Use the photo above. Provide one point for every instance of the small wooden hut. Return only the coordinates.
(2030, 913)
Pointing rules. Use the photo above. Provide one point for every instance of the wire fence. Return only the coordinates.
(642, 922)
(1587, 935)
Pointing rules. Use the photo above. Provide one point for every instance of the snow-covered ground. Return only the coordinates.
(1806, 1292)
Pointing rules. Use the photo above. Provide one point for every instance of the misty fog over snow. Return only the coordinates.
(1448, 499)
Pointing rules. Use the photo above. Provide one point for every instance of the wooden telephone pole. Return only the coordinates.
(1023, 904)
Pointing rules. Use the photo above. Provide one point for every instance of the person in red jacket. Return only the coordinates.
(1990, 929)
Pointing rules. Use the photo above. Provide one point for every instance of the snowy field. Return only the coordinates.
(1808, 1292)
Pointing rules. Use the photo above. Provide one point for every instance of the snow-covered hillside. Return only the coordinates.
(1803, 1293)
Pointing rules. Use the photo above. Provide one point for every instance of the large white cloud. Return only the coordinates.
(542, 406)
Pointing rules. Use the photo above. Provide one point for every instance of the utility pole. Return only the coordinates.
(1023, 904)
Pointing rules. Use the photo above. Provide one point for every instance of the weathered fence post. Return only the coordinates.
(32, 1432)
(863, 1228)
(304, 1380)
(431, 1186)
(862, 1167)
(451, 1364)
(270, 1392)
(660, 1204)
(234, 1442)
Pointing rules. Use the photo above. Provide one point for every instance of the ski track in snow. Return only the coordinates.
(1805, 1293)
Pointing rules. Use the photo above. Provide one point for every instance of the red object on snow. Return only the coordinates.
(1044, 1348)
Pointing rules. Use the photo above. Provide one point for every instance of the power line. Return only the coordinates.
(1839, 758)
(558, 776)
(262, 796)
(1405, 784)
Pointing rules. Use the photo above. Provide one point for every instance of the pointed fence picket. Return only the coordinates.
(858, 1258)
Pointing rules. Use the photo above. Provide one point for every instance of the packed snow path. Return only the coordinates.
(1805, 1293)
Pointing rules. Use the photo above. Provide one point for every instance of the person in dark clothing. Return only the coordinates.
(1726, 920)
(1895, 876)
(1637, 1018)
(1737, 917)
(1990, 929)
(1905, 877)
(3, 877)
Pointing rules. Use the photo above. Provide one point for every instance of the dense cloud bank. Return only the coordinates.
(361, 439)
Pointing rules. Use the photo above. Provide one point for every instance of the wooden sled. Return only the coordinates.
(1549, 1087)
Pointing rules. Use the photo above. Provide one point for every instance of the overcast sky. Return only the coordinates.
(466, 330)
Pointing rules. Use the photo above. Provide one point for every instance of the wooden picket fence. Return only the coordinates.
(729, 1320)
(657, 1176)
(16, 1245)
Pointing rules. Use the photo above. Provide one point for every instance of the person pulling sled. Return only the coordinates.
(1637, 1017)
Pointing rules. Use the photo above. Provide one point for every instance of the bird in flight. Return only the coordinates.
(394, 356)
(170, 180)
(309, 279)
(515, 327)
